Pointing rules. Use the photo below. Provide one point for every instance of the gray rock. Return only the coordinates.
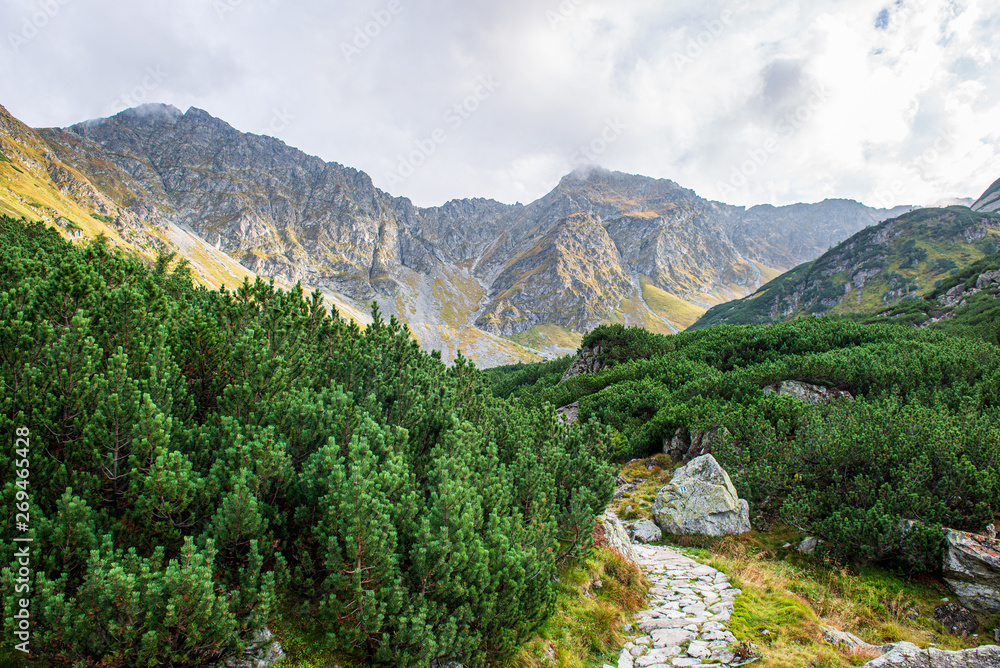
(568, 414)
(972, 569)
(616, 535)
(807, 392)
(908, 655)
(671, 637)
(263, 651)
(847, 641)
(701, 499)
(646, 531)
(568, 258)
(586, 361)
(988, 279)
(808, 545)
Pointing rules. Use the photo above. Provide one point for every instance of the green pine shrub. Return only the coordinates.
(199, 456)
(876, 477)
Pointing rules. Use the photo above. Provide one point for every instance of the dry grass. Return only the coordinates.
(681, 313)
(596, 598)
(788, 598)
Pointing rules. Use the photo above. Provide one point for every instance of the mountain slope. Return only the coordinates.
(990, 200)
(600, 247)
(896, 260)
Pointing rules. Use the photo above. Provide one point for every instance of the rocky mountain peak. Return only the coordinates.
(154, 110)
(601, 246)
(605, 179)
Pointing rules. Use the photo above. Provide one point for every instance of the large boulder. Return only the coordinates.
(908, 655)
(616, 535)
(807, 392)
(701, 499)
(972, 569)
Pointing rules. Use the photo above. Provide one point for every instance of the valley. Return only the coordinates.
(474, 275)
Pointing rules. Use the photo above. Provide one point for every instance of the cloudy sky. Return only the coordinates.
(746, 101)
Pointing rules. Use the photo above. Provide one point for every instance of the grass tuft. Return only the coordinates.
(596, 598)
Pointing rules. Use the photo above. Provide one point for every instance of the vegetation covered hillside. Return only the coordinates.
(202, 463)
(966, 303)
(897, 260)
(911, 435)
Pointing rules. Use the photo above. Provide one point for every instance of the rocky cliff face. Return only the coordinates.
(601, 247)
(990, 201)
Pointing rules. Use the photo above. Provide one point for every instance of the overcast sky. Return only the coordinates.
(745, 101)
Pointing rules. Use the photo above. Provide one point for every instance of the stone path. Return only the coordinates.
(685, 624)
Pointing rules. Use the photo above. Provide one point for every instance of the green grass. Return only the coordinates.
(680, 313)
(788, 597)
(541, 337)
(596, 597)
(304, 648)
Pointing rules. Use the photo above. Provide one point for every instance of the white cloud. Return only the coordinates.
(745, 101)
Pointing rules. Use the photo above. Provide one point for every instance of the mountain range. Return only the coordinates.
(501, 282)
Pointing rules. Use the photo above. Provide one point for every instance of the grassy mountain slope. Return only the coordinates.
(967, 303)
(899, 259)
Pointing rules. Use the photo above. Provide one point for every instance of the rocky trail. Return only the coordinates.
(685, 624)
